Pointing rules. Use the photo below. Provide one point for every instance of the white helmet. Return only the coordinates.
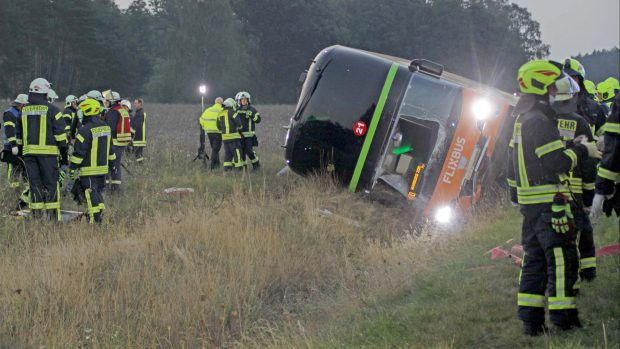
(94, 94)
(52, 96)
(126, 103)
(229, 102)
(40, 85)
(21, 99)
(242, 95)
(70, 99)
(82, 98)
(111, 96)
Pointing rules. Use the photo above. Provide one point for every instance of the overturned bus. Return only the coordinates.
(434, 139)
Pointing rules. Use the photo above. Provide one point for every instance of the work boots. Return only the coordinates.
(534, 329)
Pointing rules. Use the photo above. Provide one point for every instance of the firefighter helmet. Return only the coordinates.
(21, 99)
(573, 67)
(536, 76)
(94, 94)
(52, 95)
(242, 95)
(40, 85)
(590, 87)
(70, 99)
(229, 102)
(605, 90)
(127, 104)
(90, 107)
(615, 84)
(111, 96)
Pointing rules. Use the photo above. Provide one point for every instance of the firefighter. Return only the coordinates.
(41, 133)
(587, 107)
(540, 163)
(118, 119)
(249, 117)
(16, 170)
(208, 126)
(92, 158)
(138, 126)
(98, 96)
(581, 178)
(229, 125)
(70, 116)
(607, 197)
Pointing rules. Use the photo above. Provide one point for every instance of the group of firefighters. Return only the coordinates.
(85, 142)
(231, 123)
(564, 169)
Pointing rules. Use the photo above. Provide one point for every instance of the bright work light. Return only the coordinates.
(482, 109)
(444, 215)
(202, 89)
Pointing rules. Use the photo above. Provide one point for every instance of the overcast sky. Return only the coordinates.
(569, 26)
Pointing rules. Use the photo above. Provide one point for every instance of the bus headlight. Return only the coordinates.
(482, 109)
(444, 215)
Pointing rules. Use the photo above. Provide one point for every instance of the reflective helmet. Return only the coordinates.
(82, 98)
(126, 103)
(573, 67)
(52, 95)
(21, 99)
(536, 76)
(111, 96)
(94, 94)
(40, 85)
(229, 102)
(70, 99)
(219, 100)
(615, 84)
(590, 87)
(242, 95)
(567, 88)
(90, 107)
(605, 91)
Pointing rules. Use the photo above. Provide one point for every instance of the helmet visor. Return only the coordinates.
(567, 87)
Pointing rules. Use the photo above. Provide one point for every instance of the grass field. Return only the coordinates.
(246, 261)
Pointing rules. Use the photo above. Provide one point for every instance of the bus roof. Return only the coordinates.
(457, 79)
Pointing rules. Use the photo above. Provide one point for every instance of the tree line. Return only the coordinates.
(164, 49)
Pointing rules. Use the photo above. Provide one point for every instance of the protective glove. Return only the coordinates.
(562, 220)
(597, 207)
(15, 151)
(61, 177)
(593, 151)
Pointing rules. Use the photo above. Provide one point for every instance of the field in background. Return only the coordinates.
(246, 261)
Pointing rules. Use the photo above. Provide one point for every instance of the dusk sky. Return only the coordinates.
(569, 26)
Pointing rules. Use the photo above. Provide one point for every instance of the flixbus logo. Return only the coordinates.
(456, 161)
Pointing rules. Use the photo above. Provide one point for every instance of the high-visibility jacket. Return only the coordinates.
(9, 119)
(93, 151)
(582, 177)
(609, 167)
(138, 125)
(249, 117)
(208, 119)
(538, 161)
(41, 128)
(120, 124)
(229, 125)
(69, 114)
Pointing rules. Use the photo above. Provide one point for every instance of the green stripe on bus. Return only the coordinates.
(376, 116)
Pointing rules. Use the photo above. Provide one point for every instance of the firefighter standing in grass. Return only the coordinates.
(41, 132)
(229, 125)
(582, 178)
(16, 171)
(118, 120)
(539, 166)
(92, 157)
(607, 197)
(249, 117)
(208, 126)
(138, 126)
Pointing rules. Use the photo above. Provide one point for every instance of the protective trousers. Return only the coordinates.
(42, 171)
(215, 140)
(116, 177)
(247, 149)
(550, 264)
(138, 154)
(93, 187)
(232, 155)
(587, 250)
